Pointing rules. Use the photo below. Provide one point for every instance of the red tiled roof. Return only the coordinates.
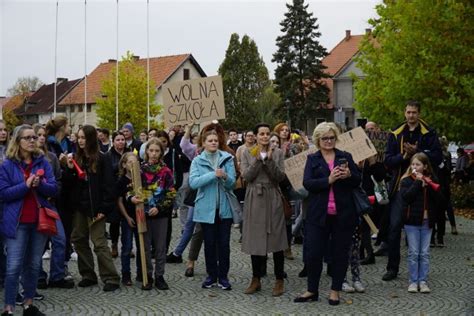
(161, 68)
(42, 101)
(16, 101)
(338, 57)
(3, 101)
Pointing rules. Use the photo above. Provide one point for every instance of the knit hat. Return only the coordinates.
(128, 126)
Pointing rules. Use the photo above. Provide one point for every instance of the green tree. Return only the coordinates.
(24, 85)
(423, 50)
(299, 68)
(266, 109)
(245, 78)
(132, 81)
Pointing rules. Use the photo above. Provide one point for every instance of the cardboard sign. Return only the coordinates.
(379, 140)
(355, 142)
(196, 100)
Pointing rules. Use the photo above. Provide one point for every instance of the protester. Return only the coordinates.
(354, 255)
(57, 130)
(264, 228)
(128, 223)
(462, 163)
(143, 136)
(330, 176)
(104, 139)
(159, 195)
(411, 137)
(132, 144)
(58, 242)
(283, 130)
(420, 211)
(212, 173)
(234, 142)
(111, 171)
(3, 156)
(90, 211)
(22, 189)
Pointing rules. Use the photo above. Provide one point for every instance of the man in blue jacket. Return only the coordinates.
(412, 136)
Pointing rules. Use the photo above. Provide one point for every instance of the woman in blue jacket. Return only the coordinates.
(330, 176)
(21, 190)
(212, 173)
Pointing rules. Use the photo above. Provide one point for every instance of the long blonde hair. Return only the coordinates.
(13, 150)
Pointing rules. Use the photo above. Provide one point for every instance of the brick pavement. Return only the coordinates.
(451, 281)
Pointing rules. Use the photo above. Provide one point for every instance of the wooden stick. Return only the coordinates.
(143, 259)
(371, 224)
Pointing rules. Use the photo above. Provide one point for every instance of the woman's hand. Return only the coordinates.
(136, 200)
(29, 181)
(270, 153)
(99, 216)
(345, 172)
(130, 222)
(220, 173)
(70, 165)
(153, 211)
(335, 175)
(36, 181)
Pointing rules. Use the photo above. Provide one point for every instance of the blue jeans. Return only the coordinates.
(187, 233)
(3, 262)
(23, 258)
(127, 245)
(217, 247)
(58, 251)
(418, 251)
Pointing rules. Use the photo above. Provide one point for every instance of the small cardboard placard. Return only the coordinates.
(197, 100)
(355, 142)
(379, 139)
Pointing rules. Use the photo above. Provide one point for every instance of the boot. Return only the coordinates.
(279, 288)
(114, 251)
(254, 286)
(289, 254)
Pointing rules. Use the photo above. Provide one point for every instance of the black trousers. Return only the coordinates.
(259, 265)
(315, 247)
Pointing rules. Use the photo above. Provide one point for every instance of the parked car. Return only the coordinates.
(469, 148)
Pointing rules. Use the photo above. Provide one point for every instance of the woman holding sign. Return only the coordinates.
(264, 228)
(330, 175)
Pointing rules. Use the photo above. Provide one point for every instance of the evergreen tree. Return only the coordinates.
(245, 78)
(423, 50)
(299, 68)
(132, 80)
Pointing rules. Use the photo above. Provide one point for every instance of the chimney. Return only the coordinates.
(368, 31)
(135, 58)
(348, 35)
(112, 60)
(60, 80)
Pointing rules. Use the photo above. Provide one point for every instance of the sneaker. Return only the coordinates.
(110, 287)
(74, 256)
(47, 255)
(62, 284)
(6, 313)
(208, 283)
(19, 299)
(374, 237)
(224, 284)
(31, 310)
(127, 279)
(359, 288)
(347, 288)
(172, 258)
(424, 287)
(38, 297)
(413, 288)
(87, 283)
(67, 274)
(161, 284)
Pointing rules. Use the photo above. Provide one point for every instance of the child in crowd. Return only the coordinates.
(420, 210)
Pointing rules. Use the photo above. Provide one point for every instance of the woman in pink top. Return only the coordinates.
(330, 175)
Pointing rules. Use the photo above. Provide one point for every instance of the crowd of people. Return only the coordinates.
(87, 178)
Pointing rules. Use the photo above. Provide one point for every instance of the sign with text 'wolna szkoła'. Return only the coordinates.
(355, 142)
(196, 100)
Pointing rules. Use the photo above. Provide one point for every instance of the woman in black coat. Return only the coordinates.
(111, 171)
(330, 176)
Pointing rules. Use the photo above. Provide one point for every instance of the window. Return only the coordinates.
(185, 74)
(89, 107)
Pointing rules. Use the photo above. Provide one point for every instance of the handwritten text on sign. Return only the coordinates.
(355, 142)
(196, 100)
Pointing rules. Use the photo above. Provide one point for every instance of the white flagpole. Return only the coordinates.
(55, 62)
(85, 62)
(148, 64)
(117, 74)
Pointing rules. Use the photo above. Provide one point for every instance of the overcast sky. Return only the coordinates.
(203, 28)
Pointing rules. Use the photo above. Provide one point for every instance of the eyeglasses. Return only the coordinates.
(328, 138)
(30, 138)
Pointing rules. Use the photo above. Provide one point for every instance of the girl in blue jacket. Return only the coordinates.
(212, 174)
(21, 190)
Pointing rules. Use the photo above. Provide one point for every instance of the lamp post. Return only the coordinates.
(288, 104)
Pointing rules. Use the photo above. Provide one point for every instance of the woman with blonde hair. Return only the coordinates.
(26, 181)
(330, 176)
